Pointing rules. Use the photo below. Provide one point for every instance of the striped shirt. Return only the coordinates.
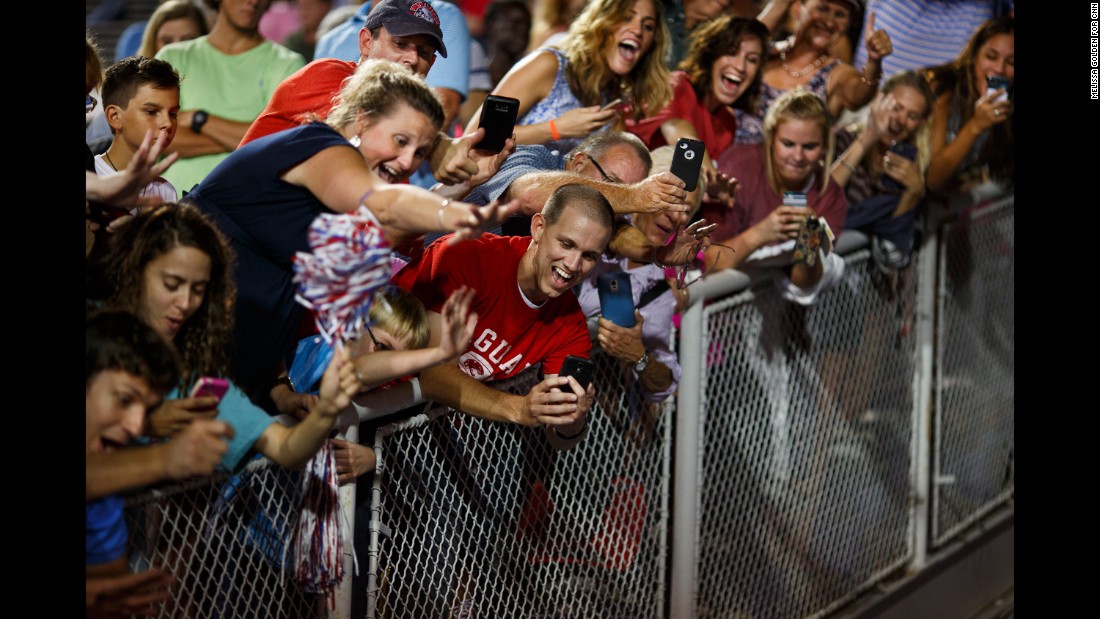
(925, 33)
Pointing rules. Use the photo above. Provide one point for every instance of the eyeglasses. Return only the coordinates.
(90, 104)
(680, 285)
(599, 169)
(377, 345)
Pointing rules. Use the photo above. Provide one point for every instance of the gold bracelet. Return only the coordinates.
(439, 213)
(847, 165)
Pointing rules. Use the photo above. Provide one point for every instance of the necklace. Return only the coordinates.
(109, 162)
(807, 69)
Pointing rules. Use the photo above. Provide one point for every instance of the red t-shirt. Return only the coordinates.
(716, 130)
(309, 90)
(755, 199)
(510, 334)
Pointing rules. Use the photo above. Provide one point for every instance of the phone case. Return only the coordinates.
(993, 83)
(579, 368)
(808, 242)
(498, 116)
(905, 149)
(616, 298)
(210, 386)
(687, 160)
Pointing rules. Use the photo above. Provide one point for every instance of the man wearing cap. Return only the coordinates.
(403, 31)
(449, 80)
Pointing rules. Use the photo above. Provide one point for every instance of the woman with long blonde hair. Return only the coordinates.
(614, 52)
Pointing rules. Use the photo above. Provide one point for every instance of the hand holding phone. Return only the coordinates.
(687, 160)
(210, 386)
(616, 298)
(994, 83)
(612, 104)
(579, 368)
(903, 149)
(498, 117)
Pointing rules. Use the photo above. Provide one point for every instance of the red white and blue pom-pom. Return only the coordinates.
(317, 538)
(349, 263)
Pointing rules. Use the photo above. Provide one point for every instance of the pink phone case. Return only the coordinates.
(209, 386)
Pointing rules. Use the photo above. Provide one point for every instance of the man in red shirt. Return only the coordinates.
(526, 313)
(393, 32)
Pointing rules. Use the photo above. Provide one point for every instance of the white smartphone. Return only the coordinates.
(611, 105)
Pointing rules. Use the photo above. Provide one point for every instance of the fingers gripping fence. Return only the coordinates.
(484, 519)
(223, 537)
(975, 408)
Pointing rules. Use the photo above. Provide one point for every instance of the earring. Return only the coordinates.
(355, 141)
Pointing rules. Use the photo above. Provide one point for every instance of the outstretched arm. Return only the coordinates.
(292, 447)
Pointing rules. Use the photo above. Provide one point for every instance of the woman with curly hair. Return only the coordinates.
(170, 268)
(719, 78)
(615, 50)
(972, 127)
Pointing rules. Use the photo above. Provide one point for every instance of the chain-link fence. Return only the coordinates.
(806, 437)
(804, 490)
(483, 519)
(224, 538)
(975, 374)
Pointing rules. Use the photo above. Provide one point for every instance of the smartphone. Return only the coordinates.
(579, 368)
(687, 160)
(208, 386)
(616, 298)
(994, 82)
(611, 105)
(795, 199)
(905, 149)
(498, 116)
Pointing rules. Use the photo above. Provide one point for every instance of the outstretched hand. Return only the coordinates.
(122, 189)
(458, 322)
(664, 191)
(686, 244)
(477, 219)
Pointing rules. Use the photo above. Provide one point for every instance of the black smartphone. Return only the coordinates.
(579, 368)
(498, 116)
(616, 298)
(687, 160)
(905, 149)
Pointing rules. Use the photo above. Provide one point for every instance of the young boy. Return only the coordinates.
(139, 94)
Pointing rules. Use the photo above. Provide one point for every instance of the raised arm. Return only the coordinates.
(456, 325)
(196, 450)
(854, 89)
(948, 157)
(529, 81)
(292, 447)
(341, 180)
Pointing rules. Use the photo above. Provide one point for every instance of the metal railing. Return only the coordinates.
(810, 454)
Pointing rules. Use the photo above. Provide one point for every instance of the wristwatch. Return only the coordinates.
(641, 363)
(198, 119)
